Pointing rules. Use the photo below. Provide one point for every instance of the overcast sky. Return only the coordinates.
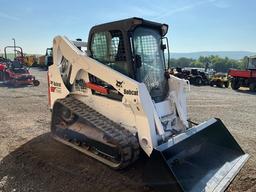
(195, 25)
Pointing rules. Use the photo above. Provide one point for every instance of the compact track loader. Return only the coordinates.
(116, 100)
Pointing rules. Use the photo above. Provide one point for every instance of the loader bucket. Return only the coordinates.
(205, 158)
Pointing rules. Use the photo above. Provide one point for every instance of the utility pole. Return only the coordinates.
(14, 43)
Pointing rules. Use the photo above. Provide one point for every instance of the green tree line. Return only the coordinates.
(217, 63)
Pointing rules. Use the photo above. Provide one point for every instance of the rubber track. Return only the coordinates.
(126, 142)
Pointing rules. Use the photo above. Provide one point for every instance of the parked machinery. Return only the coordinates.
(30, 60)
(18, 53)
(198, 78)
(244, 78)
(15, 72)
(118, 100)
(27, 60)
(48, 57)
(219, 80)
(46, 60)
(194, 76)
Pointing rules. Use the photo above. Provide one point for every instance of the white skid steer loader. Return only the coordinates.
(117, 99)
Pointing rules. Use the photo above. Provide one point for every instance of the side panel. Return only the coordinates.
(114, 110)
(56, 87)
(240, 73)
(254, 73)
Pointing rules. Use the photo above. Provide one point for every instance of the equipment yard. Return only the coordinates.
(32, 161)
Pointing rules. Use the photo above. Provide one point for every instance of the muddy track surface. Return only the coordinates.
(30, 160)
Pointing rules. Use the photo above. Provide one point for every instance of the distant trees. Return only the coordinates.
(181, 62)
(215, 62)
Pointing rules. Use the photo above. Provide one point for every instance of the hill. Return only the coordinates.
(230, 54)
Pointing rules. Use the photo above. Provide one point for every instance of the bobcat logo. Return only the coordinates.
(130, 92)
(119, 84)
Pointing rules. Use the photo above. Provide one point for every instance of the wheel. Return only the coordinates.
(199, 81)
(12, 82)
(226, 84)
(219, 83)
(252, 86)
(235, 84)
(206, 82)
(1, 76)
(67, 115)
(6, 76)
(36, 83)
(211, 83)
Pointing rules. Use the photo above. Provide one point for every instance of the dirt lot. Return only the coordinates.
(32, 161)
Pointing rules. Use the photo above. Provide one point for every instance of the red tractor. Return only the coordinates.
(244, 78)
(15, 72)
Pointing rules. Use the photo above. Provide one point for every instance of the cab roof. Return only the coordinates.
(129, 25)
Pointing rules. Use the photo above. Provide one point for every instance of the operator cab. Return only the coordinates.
(133, 47)
(48, 57)
(252, 63)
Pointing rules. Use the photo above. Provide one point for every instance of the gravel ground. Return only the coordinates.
(30, 160)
